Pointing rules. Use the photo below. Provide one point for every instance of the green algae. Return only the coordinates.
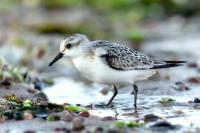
(72, 108)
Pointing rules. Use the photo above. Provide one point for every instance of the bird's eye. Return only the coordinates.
(68, 46)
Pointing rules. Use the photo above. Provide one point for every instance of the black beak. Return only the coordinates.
(58, 56)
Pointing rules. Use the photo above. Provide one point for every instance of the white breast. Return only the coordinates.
(96, 70)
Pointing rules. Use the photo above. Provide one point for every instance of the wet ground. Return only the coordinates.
(169, 101)
(167, 83)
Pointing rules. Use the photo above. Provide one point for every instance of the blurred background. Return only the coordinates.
(31, 30)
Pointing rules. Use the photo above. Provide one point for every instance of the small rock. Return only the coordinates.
(30, 90)
(84, 114)
(17, 115)
(192, 65)
(190, 101)
(180, 86)
(68, 116)
(37, 84)
(112, 131)
(195, 80)
(163, 126)
(104, 91)
(7, 82)
(150, 118)
(59, 129)
(108, 118)
(53, 117)
(2, 119)
(27, 115)
(78, 124)
(41, 99)
(167, 77)
(166, 100)
(29, 131)
(40, 53)
(196, 100)
(179, 112)
(98, 130)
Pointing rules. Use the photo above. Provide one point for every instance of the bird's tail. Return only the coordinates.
(170, 64)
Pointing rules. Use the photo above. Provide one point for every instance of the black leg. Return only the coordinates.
(115, 93)
(135, 95)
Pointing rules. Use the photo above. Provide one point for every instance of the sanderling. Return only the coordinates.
(110, 63)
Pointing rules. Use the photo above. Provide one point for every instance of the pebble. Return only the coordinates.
(68, 116)
(78, 124)
(41, 99)
(7, 82)
(31, 90)
(196, 100)
(27, 115)
(112, 131)
(108, 118)
(53, 117)
(104, 91)
(180, 86)
(2, 119)
(163, 126)
(29, 131)
(150, 118)
(37, 84)
(59, 129)
(193, 65)
(84, 114)
(17, 115)
(195, 80)
(98, 130)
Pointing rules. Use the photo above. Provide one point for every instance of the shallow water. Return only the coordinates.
(181, 112)
(68, 91)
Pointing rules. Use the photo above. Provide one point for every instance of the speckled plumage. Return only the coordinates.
(110, 63)
(120, 57)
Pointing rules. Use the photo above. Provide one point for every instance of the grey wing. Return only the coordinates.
(123, 58)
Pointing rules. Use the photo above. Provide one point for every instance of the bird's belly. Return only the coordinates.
(97, 71)
(86, 67)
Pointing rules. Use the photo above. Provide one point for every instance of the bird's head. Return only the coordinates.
(71, 47)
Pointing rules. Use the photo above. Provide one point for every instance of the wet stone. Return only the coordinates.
(62, 129)
(18, 115)
(37, 84)
(68, 117)
(29, 131)
(180, 86)
(192, 65)
(78, 124)
(98, 130)
(108, 118)
(195, 80)
(104, 91)
(84, 114)
(163, 126)
(53, 117)
(41, 99)
(151, 118)
(30, 90)
(196, 100)
(27, 115)
(6, 82)
(2, 119)
(112, 131)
